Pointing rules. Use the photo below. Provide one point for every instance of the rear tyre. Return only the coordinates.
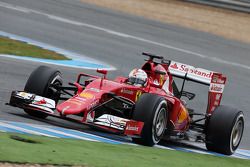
(224, 130)
(152, 110)
(39, 83)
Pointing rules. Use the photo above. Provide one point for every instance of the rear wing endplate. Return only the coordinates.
(216, 81)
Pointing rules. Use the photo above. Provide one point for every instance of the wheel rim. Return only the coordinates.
(56, 81)
(237, 132)
(159, 123)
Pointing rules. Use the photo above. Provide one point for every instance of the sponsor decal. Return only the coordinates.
(75, 101)
(24, 95)
(111, 121)
(132, 128)
(92, 105)
(217, 88)
(37, 101)
(42, 101)
(215, 91)
(125, 106)
(217, 78)
(95, 90)
(216, 101)
(80, 99)
(218, 96)
(191, 70)
(126, 91)
(182, 115)
(86, 95)
(174, 66)
(64, 109)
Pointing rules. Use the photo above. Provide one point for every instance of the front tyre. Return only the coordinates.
(224, 130)
(40, 82)
(152, 110)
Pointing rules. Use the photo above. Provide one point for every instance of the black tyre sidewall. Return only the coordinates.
(40, 79)
(146, 111)
(219, 129)
(38, 83)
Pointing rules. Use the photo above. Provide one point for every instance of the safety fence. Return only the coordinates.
(237, 5)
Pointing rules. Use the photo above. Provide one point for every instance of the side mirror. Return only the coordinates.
(101, 71)
(104, 72)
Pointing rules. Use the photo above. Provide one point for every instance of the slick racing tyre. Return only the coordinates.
(152, 110)
(224, 130)
(39, 83)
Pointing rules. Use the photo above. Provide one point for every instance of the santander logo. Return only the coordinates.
(174, 66)
(191, 70)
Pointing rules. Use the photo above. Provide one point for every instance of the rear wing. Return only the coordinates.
(216, 81)
(188, 72)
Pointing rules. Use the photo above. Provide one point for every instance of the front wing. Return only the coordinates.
(31, 101)
(106, 122)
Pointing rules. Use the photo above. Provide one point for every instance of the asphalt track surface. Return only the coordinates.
(117, 39)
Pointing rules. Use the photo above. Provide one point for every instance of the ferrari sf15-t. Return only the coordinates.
(148, 113)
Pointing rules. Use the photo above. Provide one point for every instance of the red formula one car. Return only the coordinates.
(147, 105)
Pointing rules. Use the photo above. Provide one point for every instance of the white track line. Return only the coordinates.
(96, 136)
(17, 8)
(25, 130)
(163, 147)
(72, 130)
(69, 21)
(243, 152)
(66, 134)
(198, 151)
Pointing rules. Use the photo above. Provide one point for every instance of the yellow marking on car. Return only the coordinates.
(86, 95)
(161, 79)
(183, 115)
(138, 94)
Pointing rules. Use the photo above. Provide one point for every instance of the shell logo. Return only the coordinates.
(182, 115)
(86, 95)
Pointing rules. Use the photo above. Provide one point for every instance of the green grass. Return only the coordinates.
(13, 47)
(77, 152)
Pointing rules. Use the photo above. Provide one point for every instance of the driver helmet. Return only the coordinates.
(138, 77)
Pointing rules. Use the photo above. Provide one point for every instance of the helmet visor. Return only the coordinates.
(134, 80)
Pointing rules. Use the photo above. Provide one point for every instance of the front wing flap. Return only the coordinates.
(128, 127)
(26, 100)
